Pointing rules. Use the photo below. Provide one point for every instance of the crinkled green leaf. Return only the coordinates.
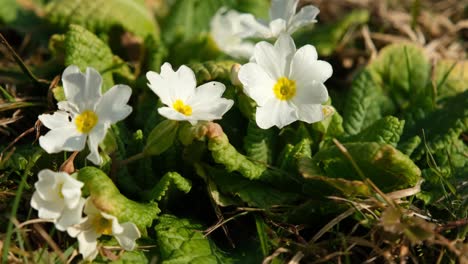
(258, 143)
(101, 16)
(364, 104)
(402, 70)
(386, 130)
(383, 164)
(226, 154)
(440, 126)
(107, 198)
(299, 151)
(182, 241)
(254, 193)
(451, 78)
(169, 179)
(330, 127)
(84, 49)
(212, 70)
(408, 146)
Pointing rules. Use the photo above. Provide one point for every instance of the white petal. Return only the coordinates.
(88, 244)
(55, 120)
(267, 57)
(160, 86)
(82, 89)
(284, 9)
(277, 27)
(71, 191)
(213, 110)
(209, 91)
(258, 85)
(47, 184)
(304, 17)
(96, 136)
(305, 67)
(242, 50)
(286, 49)
(62, 139)
(185, 84)
(310, 92)
(254, 27)
(112, 106)
(68, 107)
(70, 216)
(310, 113)
(47, 209)
(275, 113)
(128, 236)
(90, 210)
(172, 86)
(171, 114)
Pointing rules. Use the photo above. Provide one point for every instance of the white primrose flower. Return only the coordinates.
(97, 223)
(283, 19)
(185, 102)
(58, 197)
(86, 114)
(286, 84)
(229, 33)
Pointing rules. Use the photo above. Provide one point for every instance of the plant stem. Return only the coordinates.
(132, 158)
(21, 63)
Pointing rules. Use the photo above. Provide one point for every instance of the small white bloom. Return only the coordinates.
(85, 115)
(229, 33)
(185, 102)
(58, 197)
(286, 84)
(283, 19)
(97, 223)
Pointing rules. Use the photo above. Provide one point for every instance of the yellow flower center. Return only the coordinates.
(285, 88)
(86, 121)
(182, 108)
(102, 225)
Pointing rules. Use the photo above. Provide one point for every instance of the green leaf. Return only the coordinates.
(450, 77)
(386, 130)
(84, 49)
(254, 193)
(224, 153)
(102, 16)
(189, 18)
(212, 70)
(161, 137)
(299, 151)
(440, 126)
(181, 241)
(107, 198)
(9, 10)
(402, 70)
(387, 167)
(364, 104)
(169, 179)
(258, 143)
